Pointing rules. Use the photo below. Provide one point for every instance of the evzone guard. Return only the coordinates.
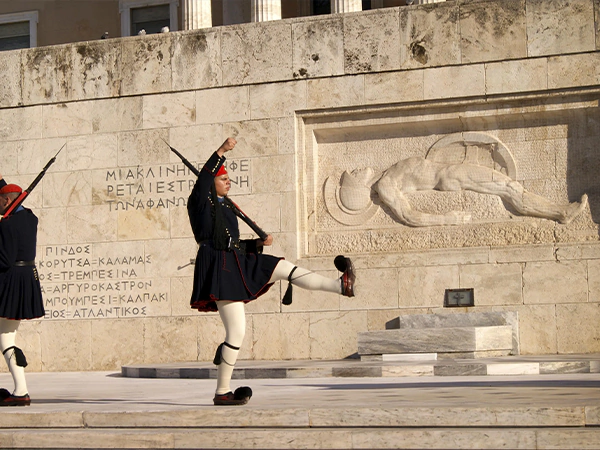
(20, 291)
(230, 273)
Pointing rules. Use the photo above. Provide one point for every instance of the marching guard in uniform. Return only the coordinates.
(229, 273)
(20, 292)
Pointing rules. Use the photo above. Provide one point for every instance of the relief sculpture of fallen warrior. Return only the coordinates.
(419, 174)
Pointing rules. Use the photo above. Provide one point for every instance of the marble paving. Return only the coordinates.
(106, 410)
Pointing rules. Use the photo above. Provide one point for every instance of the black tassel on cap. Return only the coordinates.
(287, 297)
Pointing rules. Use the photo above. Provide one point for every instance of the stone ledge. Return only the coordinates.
(354, 368)
(471, 319)
(347, 417)
(293, 438)
(428, 340)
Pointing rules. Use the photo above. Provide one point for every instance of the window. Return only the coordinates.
(18, 30)
(151, 19)
(148, 15)
(321, 7)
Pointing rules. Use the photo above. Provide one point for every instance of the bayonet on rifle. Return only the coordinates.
(19, 200)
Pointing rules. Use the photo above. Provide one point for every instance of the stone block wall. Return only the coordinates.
(513, 84)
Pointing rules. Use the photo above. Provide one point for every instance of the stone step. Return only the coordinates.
(329, 417)
(469, 319)
(102, 410)
(440, 438)
(434, 356)
(451, 320)
(524, 427)
(444, 340)
(352, 368)
(404, 357)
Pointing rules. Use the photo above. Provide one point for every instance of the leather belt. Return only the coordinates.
(24, 263)
(232, 243)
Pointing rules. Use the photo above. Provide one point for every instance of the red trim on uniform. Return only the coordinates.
(224, 266)
(203, 305)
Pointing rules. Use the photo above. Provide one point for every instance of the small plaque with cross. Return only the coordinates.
(459, 297)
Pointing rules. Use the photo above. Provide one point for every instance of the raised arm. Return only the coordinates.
(210, 169)
(226, 146)
(199, 200)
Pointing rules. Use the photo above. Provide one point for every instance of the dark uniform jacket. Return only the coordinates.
(222, 274)
(20, 292)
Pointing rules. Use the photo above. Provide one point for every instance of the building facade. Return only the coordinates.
(34, 23)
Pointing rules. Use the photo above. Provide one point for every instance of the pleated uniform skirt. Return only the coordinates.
(230, 275)
(20, 294)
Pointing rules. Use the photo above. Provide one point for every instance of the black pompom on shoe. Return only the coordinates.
(341, 263)
(239, 397)
(243, 392)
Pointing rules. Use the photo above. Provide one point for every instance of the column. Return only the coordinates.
(196, 14)
(343, 6)
(263, 10)
(304, 8)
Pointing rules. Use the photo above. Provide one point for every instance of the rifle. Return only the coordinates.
(235, 208)
(14, 205)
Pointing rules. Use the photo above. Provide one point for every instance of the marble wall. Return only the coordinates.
(308, 98)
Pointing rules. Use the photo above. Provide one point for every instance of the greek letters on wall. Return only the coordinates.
(164, 186)
(78, 285)
(118, 279)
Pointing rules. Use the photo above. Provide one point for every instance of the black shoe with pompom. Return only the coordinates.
(7, 399)
(344, 265)
(239, 397)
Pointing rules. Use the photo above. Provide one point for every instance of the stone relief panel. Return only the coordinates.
(487, 176)
(470, 166)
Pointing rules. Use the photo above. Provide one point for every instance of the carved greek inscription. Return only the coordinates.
(165, 186)
(77, 284)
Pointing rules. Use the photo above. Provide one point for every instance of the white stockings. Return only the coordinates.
(305, 279)
(8, 333)
(234, 319)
